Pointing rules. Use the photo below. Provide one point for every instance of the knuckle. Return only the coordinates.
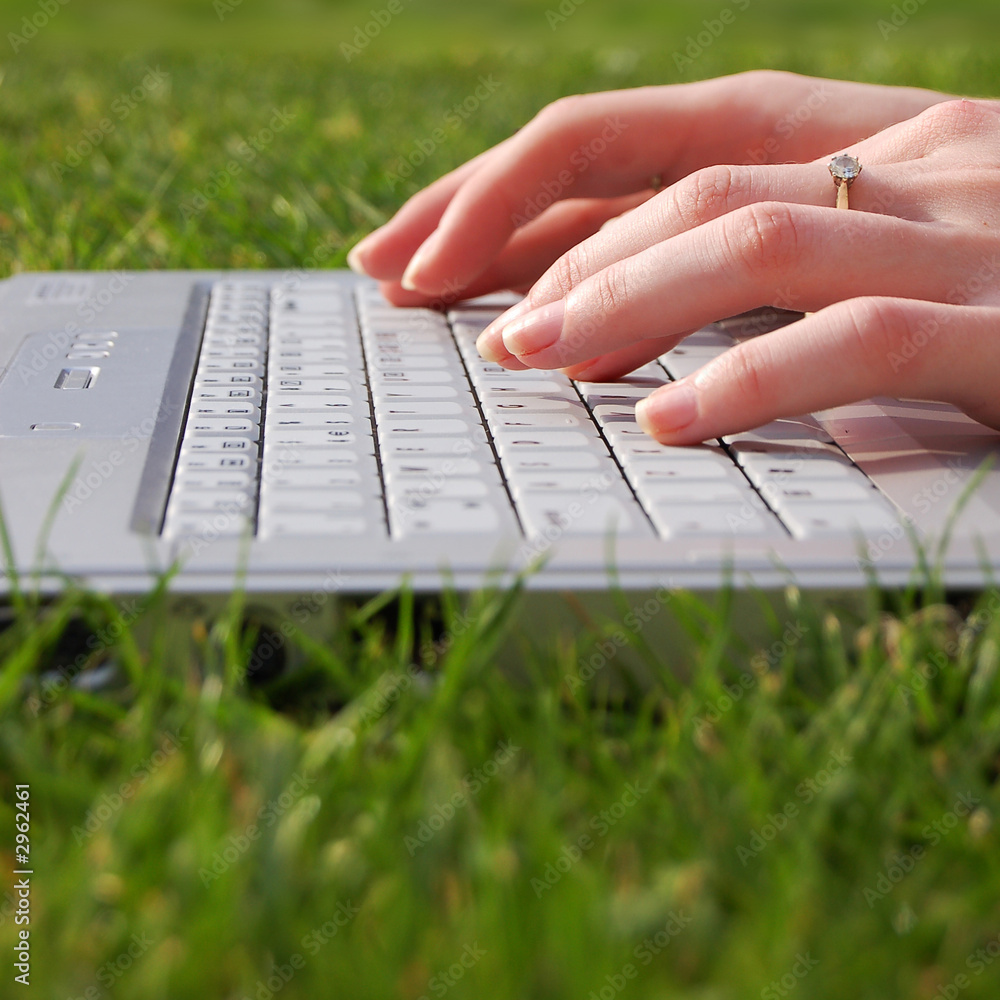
(958, 116)
(560, 111)
(608, 290)
(872, 329)
(763, 238)
(568, 271)
(701, 196)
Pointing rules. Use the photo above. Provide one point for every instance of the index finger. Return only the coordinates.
(576, 148)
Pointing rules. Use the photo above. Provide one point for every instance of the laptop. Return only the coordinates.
(292, 433)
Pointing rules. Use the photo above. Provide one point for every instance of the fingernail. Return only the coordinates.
(490, 347)
(539, 329)
(354, 258)
(411, 276)
(667, 410)
(519, 309)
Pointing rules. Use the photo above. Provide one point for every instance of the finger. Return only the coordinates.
(532, 249)
(703, 197)
(851, 351)
(771, 253)
(384, 253)
(613, 366)
(597, 145)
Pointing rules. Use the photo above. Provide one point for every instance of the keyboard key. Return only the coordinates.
(211, 444)
(311, 404)
(445, 516)
(210, 501)
(391, 408)
(411, 448)
(298, 478)
(406, 470)
(204, 394)
(283, 501)
(714, 520)
(322, 523)
(397, 427)
(501, 423)
(573, 460)
(563, 482)
(221, 480)
(534, 404)
(410, 391)
(580, 513)
(819, 520)
(407, 489)
(512, 442)
(683, 492)
(220, 426)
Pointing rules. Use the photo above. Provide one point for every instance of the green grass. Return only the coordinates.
(868, 736)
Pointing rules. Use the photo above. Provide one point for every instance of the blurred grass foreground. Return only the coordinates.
(812, 815)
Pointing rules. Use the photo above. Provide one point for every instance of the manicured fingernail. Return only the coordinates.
(354, 258)
(539, 329)
(419, 261)
(667, 410)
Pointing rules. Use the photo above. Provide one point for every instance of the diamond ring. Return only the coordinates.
(845, 170)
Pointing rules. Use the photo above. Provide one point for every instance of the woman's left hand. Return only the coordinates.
(903, 287)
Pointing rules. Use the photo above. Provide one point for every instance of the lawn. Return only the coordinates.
(812, 815)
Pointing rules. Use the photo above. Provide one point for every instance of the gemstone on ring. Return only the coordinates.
(845, 169)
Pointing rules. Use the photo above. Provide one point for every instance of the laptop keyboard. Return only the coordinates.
(300, 424)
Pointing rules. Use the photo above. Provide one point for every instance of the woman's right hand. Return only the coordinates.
(500, 220)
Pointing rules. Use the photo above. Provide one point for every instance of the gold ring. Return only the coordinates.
(845, 170)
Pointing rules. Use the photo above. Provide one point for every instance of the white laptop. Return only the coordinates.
(288, 432)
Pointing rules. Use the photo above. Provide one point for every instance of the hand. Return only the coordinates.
(907, 282)
(486, 226)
